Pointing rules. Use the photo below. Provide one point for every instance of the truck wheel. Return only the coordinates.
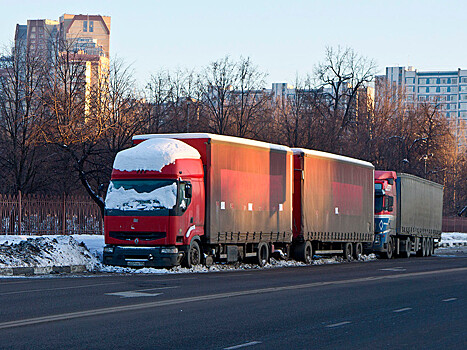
(408, 247)
(420, 249)
(304, 252)
(348, 250)
(425, 247)
(193, 256)
(388, 254)
(357, 250)
(430, 247)
(263, 254)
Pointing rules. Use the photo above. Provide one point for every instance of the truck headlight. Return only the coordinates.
(108, 250)
(173, 250)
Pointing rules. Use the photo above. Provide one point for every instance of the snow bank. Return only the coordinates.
(450, 239)
(153, 155)
(129, 199)
(44, 251)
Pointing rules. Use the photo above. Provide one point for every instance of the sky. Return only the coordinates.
(283, 38)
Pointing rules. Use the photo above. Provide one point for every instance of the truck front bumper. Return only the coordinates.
(166, 256)
(378, 245)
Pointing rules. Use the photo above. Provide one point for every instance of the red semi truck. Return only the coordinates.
(194, 198)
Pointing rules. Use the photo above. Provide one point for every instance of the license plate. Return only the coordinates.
(135, 263)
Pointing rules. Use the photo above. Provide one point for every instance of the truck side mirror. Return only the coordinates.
(391, 181)
(188, 191)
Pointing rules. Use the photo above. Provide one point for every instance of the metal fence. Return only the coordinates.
(49, 215)
(454, 224)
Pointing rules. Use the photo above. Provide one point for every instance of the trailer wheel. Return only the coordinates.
(408, 247)
(430, 247)
(420, 249)
(425, 247)
(304, 252)
(263, 254)
(193, 256)
(357, 250)
(348, 250)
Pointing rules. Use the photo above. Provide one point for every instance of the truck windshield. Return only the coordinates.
(378, 204)
(140, 195)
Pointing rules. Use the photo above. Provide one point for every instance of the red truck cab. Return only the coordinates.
(154, 204)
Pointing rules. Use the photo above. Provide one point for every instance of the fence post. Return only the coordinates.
(64, 215)
(20, 212)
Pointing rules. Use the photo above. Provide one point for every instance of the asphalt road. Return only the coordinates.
(416, 303)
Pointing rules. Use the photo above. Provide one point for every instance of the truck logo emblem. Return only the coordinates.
(381, 225)
(136, 240)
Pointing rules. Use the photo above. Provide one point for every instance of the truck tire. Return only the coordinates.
(357, 250)
(408, 247)
(430, 247)
(388, 254)
(420, 248)
(193, 256)
(262, 254)
(348, 250)
(304, 252)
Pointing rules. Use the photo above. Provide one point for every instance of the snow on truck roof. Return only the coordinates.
(143, 157)
(216, 137)
(332, 156)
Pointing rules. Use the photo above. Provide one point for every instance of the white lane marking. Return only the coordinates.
(133, 294)
(337, 324)
(139, 292)
(156, 288)
(450, 299)
(393, 269)
(403, 309)
(153, 304)
(244, 345)
(60, 288)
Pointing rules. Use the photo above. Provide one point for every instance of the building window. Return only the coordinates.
(409, 80)
(453, 105)
(454, 81)
(464, 80)
(463, 88)
(91, 26)
(410, 89)
(422, 81)
(443, 81)
(463, 97)
(444, 89)
(463, 106)
(422, 98)
(433, 81)
(432, 89)
(454, 89)
(85, 26)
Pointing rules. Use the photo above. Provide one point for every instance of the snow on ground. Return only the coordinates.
(29, 251)
(41, 251)
(453, 238)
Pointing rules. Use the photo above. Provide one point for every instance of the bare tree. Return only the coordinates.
(21, 77)
(216, 83)
(77, 116)
(342, 75)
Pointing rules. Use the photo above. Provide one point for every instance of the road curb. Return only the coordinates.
(40, 270)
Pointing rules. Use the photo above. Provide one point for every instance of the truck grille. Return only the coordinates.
(143, 236)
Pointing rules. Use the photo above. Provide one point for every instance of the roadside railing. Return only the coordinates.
(454, 224)
(49, 215)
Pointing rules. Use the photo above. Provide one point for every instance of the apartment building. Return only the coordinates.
(77, 29)
(447, 89)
